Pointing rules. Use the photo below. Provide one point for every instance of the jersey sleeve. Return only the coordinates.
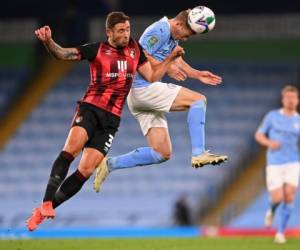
(266, 124)
(154, 37)
(143, 59)
(89, 51)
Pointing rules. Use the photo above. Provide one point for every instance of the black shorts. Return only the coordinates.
(100, 125)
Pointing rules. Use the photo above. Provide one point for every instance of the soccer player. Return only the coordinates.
(280, 132)
(149, 102)
(113, 65)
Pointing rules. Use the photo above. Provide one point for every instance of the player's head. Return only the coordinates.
(290, 97)
(117, 29)
(179, 26)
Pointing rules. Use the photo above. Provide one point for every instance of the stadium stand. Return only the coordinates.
(143, 196)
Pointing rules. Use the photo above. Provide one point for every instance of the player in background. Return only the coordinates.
(113, 64)
(280, 132)
(149, 102)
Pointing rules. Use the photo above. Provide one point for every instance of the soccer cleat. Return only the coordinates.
(35, 219)
(207, 158)
(279, 238)
(101, 174)
(269, 218)
(47, 210)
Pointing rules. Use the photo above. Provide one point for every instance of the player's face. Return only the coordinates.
(290, 100)
(182, 32)
(119, 35)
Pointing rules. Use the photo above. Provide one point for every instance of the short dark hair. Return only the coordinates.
(114, 18)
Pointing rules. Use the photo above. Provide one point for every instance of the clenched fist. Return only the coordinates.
(44, 33)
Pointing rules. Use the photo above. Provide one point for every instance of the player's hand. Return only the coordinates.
(44, 33)
(208, 78)
(274, 145)
(176, 73)
(177, 52)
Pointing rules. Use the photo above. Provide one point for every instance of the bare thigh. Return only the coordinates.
(76, 140)
(185, 98)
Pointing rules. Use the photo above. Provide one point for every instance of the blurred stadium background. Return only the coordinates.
(255, 47)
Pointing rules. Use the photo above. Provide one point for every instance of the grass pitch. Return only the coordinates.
(151, 244)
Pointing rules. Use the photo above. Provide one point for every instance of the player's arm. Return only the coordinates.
(44, 34)
(180, 70)
(201, 75)
(261, 134)
(154, 72)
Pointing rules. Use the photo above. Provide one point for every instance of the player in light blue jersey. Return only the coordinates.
(280, 133)
(149, 102)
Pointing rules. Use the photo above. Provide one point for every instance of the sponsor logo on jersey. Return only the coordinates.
(152, 40)
(132, 53)
(78, 119)
(120, 74)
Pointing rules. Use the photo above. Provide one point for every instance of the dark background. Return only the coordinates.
(41, 9)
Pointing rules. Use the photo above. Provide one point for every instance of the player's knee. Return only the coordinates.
(197, 100)
(86, 171)
(289, 198)
(165, 154)
(74, 149)
(277, 199)
(202, 98)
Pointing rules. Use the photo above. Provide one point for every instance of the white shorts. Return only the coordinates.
(149, 104)
(276, 176)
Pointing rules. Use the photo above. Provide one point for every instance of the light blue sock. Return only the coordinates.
(137, 157)
(196, 122)
(286, 212)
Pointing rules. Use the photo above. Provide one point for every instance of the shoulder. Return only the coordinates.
(160, 29)
(272, 114)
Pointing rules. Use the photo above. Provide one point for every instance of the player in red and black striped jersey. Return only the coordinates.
(113, 65)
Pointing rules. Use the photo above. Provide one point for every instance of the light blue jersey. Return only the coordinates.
(158, 42)
(286, 130)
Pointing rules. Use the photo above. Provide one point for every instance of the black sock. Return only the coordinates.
(58, 173)
(274, 206)
(69, 188)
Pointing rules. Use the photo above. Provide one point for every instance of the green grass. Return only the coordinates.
(151, 244)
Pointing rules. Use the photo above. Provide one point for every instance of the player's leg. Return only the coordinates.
(159, 151)
(276, 197)
(274, 183)
(148, 105)
(74, 143)
(82, 129)
(196, 104)
(76, 139)
(78, 136)
(289, 191)
(291, 181)
(90, 159)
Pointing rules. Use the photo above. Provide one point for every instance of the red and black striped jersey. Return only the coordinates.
(111, 73)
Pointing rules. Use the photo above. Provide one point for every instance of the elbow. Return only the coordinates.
(152, 79)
